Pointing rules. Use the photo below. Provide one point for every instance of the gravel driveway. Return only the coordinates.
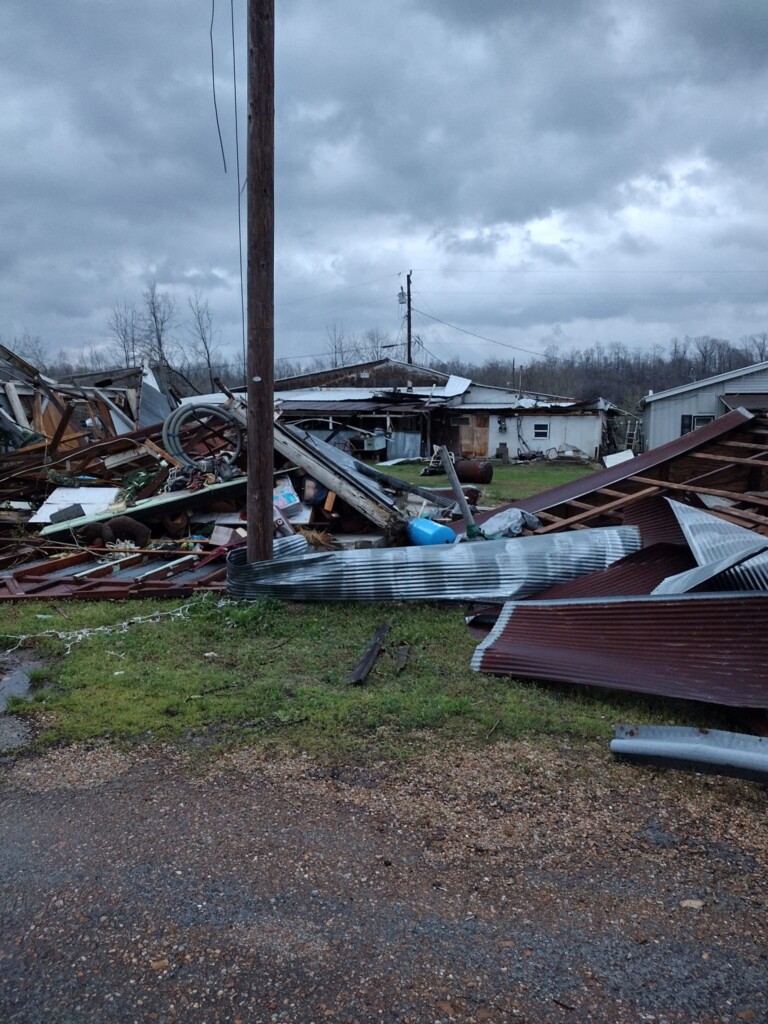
(519, 883)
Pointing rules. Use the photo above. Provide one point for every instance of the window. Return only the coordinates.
(541, 430)
(689, 423)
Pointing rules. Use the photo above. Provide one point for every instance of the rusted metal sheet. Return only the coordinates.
(637, 574)
(707, 647)
(83, 575)
(656, 521)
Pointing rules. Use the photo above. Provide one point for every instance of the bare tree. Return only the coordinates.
(373, 344)
(31, 348)
(204, 346)
(157, 321)
(755, 347)
(342, 348)
(125, 327)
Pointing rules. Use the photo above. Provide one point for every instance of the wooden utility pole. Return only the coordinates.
(408, 316)
(261, 277)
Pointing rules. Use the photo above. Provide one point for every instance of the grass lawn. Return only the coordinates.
(509, 482)
(213, 673)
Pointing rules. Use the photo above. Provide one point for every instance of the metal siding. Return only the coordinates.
(404, 445)
(661, 418)
(698, 647)
(477, 571)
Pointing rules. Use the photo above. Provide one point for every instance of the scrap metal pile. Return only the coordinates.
(650, 576)
(111, 489)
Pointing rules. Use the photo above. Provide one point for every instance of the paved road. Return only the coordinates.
(490, 887)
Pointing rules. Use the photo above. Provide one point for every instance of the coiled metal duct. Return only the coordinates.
(173, 424)
(484, 571)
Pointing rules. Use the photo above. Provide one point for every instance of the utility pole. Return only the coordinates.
(261, 276)
(409, 358)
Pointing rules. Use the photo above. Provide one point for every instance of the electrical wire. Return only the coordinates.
(213, 85)
(493, 341)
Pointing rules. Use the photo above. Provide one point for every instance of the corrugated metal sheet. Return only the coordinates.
(717, 575)
(478, 571)
(699, 646)
(729, 555)
(656, 520)
(709, 537)
(82, 575)
(637, 574)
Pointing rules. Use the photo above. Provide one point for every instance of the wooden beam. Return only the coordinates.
(600, 510)
(744, 444)
(66, 416)
(16, 407)
(733, 460)
(735, 496)
(360, 672)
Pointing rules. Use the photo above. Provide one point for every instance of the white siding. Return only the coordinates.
(583, 432)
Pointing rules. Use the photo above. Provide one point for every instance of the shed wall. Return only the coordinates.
(662, 418)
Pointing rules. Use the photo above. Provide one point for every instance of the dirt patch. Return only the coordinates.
(516, 883)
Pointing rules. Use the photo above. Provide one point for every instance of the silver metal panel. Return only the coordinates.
(730, 556)
(709, 537)
(717, 574)
(478, 571)
(711, 750)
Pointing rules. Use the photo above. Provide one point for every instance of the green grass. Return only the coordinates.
(509, 482)
(277, 680)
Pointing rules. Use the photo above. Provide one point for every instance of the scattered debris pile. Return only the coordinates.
(655, 579)
(651, 575)
(683, 617)
(109, 487)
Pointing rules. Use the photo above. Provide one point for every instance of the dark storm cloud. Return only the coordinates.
(524, 154)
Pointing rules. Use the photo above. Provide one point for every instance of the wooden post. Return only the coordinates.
(261, 261)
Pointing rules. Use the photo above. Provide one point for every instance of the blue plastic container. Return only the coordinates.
(427, 531)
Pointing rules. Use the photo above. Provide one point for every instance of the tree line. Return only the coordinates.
(185, 350)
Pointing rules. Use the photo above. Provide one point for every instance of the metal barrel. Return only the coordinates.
(474, 471)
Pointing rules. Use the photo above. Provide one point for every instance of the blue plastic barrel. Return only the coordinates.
(427, 531)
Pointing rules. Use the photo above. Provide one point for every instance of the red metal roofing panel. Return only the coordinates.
(697, 646)
(657, 522)
(636, 574)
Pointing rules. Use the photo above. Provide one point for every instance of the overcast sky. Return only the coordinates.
(553, 171)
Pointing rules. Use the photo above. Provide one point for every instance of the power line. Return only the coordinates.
(213, 85)
(493, 341)
(580, 270)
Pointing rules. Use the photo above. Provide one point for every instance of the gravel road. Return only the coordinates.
(518, 883)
